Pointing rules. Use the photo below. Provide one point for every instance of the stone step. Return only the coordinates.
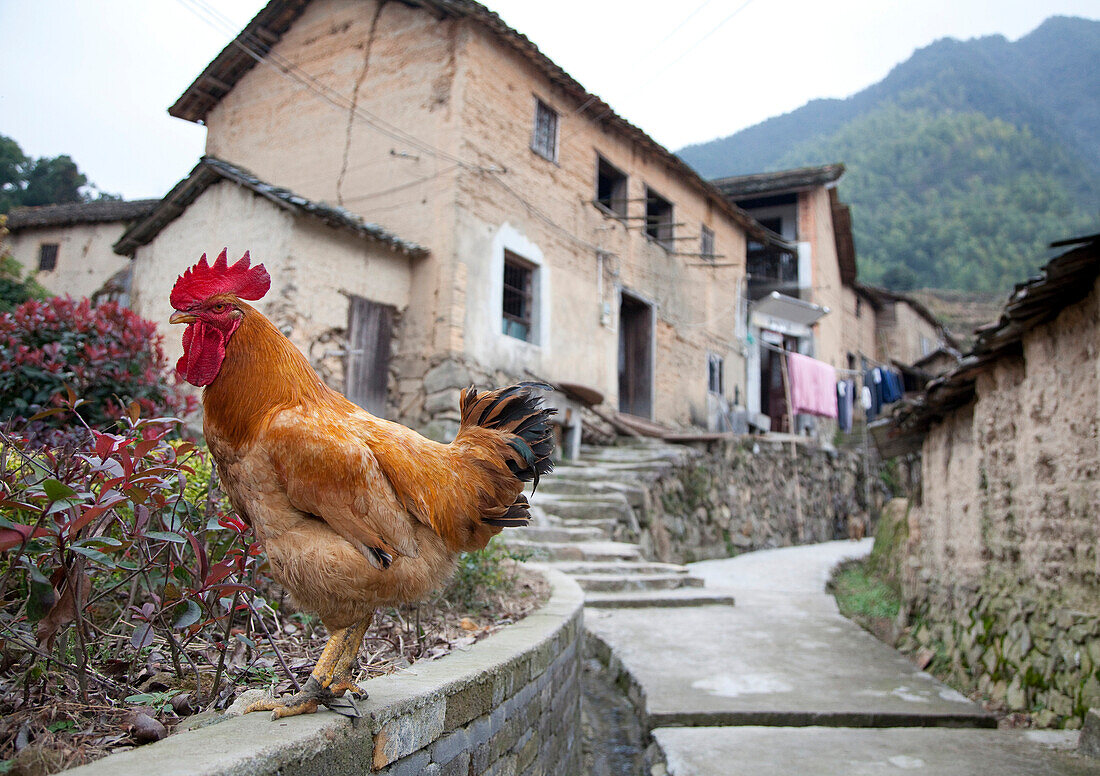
(618, 567)
(657, 598)
(581, 489)
(608, 583)
(559, 533)
(605, 524)
(617, 509)
(584, 551)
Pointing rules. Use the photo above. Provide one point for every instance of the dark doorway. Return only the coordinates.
(635, 357)
(370, 335)
(773, 394)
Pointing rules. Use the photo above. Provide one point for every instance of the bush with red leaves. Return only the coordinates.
(107, 355)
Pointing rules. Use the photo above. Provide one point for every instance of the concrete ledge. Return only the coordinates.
(511, 701)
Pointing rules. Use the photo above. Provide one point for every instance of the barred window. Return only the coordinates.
(706, 243)
(47, 257)
(715, 377)
(518, 306)
(544, 139)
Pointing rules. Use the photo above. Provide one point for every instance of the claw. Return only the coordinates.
(311, 696)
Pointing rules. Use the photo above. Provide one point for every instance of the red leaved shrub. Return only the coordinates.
(105, 356)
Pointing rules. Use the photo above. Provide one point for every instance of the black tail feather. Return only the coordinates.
(518, 410)
(516, 516)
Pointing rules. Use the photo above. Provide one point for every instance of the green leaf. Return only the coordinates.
(96, 555)
(56, 490)
(190, 615)
(41, 596)
(166, 536)
(98, 541)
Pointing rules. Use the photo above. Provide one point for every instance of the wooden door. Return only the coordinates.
(370, 338)
(635, 357)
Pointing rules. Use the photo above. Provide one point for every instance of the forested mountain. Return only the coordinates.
(963, 163)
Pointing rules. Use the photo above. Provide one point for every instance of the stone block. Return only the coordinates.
(1089, 742)
(460, 766)
(449, 747)
(443, 401)
(416, 764)
(406, 734)
(448, 374)
(467, 704)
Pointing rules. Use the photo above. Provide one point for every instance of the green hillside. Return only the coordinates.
(963, 163)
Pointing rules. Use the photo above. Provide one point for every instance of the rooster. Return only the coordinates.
(354, 511)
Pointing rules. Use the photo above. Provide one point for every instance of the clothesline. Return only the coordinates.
(872, 362)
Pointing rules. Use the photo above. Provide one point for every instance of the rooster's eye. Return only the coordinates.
(219, 307)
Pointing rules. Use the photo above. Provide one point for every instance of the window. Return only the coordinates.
(47, 257)
(658, 218)
(544, 140)
(706, 243)
(715, 381)
(610, 187)
(859, 307)
(518, 306)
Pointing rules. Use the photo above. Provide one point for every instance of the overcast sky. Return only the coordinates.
(94, 78)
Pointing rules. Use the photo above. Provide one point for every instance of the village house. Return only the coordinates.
(1003, 566)
(803, 293)
(441, 205)
(554, 240)
(68, 247)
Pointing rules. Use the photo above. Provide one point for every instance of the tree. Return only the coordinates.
(13, 171)
(54, 182)
(44, 181)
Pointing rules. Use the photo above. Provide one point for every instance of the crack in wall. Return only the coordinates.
(355, 102)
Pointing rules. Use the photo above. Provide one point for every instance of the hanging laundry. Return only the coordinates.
(872, 384)
(892, 387)
(813, 386)
(845, 404)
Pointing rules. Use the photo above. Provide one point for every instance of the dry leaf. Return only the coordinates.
(143, 728)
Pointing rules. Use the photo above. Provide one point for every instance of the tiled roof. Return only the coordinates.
(882, 296)
(79, 213)
(211, 170)
(1065, 280)
(741, 186)
(266, 28)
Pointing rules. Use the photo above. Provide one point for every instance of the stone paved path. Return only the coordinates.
(782, 684)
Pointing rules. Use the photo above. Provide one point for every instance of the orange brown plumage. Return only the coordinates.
(354, 511)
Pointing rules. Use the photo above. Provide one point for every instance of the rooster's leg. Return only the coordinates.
(330, 679)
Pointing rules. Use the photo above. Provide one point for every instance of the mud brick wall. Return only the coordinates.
(1004, 570)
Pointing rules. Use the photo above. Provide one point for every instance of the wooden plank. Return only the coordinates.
(370, 344)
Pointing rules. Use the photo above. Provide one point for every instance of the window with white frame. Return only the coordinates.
(715, 376)
(518, 308)
(706, 243)
(544, 137)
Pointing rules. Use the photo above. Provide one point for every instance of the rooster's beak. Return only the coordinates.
(178, 317)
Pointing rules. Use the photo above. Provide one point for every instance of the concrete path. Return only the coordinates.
(782, 683)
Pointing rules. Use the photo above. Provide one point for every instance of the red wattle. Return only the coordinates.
(203, 351)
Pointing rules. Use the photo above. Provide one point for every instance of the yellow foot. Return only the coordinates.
(311, 696)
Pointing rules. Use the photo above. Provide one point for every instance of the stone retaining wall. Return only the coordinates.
(1016, 646)
(752, 493)
(508, 705)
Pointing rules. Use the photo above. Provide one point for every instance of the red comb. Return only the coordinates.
(203, 281)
